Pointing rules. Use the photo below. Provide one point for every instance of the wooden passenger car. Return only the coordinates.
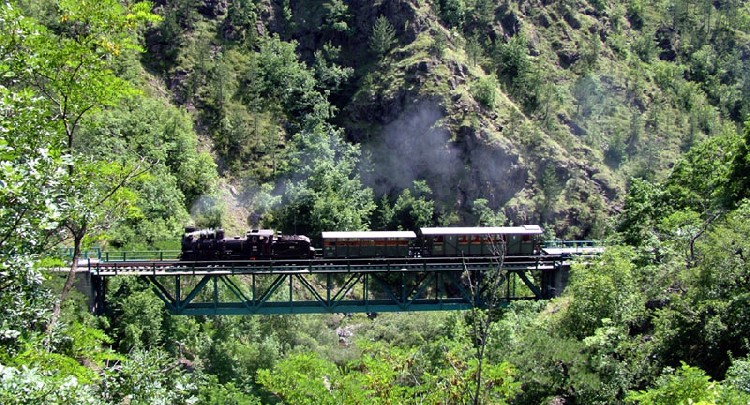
(480, 241)
(367, 244)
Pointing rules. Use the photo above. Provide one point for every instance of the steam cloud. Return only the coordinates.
(416, 147)
(413, 147)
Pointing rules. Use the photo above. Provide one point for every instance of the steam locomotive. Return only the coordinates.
(209, 244)
(264, 244)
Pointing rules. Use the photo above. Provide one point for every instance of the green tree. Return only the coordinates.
(383, 36)
(474, 50)
(145, 128)
(453, 12)
(738, 375)
(149, 377)
(239, 25)
(484, 90)
(337, 14)
(302, 378)
(486, 216)
(326, 192)
(287, 85)
(512, 60)
(701, 179)
(550, 365)
(72, 69)
(413, 208)
(739, 180)
(29, 386)
(604, 289)
(32, 178)
(329, 74)
(641, 211)
(686, 385)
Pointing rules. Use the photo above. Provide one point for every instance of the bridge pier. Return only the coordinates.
(92, 286)
(555, 280)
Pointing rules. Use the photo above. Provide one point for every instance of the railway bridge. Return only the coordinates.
(263, 287)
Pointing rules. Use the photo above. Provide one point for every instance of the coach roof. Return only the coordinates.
(370, 235)
(484, 230)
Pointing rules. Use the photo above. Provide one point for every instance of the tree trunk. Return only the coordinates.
(77, 241)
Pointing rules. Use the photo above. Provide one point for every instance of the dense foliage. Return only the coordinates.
(121, 122)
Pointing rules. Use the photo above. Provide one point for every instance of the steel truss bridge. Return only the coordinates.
(334, 285)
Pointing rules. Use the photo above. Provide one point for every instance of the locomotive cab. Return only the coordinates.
(258, 245)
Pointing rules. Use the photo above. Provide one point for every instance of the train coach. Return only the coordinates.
(368, 244)
(434, 242)
(481, 241)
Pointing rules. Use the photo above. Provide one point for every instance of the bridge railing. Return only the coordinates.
(560, 243)
(123, 256)
(145, 255)
(93, 253)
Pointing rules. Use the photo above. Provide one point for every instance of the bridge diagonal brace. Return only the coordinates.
(237, 292)
(234, 288)
(420, 287)
(271, 289)
(389, 290)
(502, 279)
(312, 291)
(196, 290)
(534, 289)
(348, 285)
(163, 294)
(460, 286)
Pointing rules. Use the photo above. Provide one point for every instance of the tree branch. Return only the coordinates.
(127, 178)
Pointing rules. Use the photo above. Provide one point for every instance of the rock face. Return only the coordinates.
(665, 38)
(213, 8)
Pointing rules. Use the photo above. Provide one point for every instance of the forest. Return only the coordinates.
(123, 121)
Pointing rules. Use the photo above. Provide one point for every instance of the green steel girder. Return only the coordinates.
(355, 293)
(335, 286)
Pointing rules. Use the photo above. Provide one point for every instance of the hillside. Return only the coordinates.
(122, 122)
(543, 109)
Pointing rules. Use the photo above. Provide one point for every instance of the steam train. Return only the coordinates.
(264, 244)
